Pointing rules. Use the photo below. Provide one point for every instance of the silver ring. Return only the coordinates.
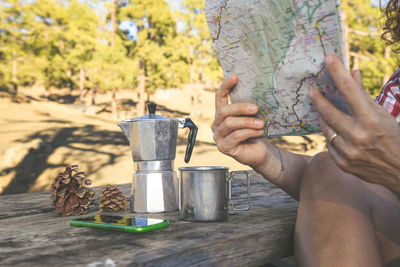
(333, 137)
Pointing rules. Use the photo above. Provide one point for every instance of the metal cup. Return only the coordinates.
(204, 193)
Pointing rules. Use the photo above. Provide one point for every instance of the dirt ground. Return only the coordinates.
(39, 138)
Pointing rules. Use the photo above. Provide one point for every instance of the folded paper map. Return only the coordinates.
(277, 48)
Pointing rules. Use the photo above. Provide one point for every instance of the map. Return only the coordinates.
(277, 48)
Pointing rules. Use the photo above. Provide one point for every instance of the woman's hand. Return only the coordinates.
(236, 132)
(366, 142)
(239, 135)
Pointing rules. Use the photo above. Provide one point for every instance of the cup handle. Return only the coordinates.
(248, 191)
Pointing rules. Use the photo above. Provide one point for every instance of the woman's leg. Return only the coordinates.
(343, 221)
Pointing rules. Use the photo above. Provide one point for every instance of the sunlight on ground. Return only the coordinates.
(38, 139)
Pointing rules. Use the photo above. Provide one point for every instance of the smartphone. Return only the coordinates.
(120, 223)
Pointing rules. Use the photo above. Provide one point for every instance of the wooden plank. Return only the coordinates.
(24, 204)
(251, 238)
(17, 205)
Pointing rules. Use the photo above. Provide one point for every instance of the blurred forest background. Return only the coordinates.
(90, 53)
(143, 45)
(95, 46)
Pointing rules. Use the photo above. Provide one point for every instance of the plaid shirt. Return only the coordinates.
(389, 97)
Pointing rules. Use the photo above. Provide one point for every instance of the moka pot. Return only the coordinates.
(153, 140)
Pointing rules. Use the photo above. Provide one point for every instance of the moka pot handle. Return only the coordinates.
(191, 138)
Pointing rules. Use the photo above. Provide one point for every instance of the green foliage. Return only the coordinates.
(51, 41)
(155, 37)
(110, 69)
(12, 40)
(362, 16)
(196, 42)
(81, 33)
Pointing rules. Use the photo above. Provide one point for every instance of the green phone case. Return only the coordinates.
(118, 226)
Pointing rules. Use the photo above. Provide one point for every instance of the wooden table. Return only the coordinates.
(32, 234)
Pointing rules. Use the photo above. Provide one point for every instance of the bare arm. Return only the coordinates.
(290, 179)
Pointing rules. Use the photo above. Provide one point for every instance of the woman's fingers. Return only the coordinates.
(348, 87)
(335, 118)
(223, 110)
(326, 130)
(231, 124)
(238, 109)
(222, 94)
(356, 74)
(231, 142)
(333, 142)
(333, 139)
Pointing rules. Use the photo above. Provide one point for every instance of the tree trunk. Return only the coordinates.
(191, 83)
(15, 62)
(70, 84)
(112, 23)
(15, 72)
(114, 105)
(94, 91)
(81, 84)
(113, 97)
(199, 89)
(46, 93)
(140, 108)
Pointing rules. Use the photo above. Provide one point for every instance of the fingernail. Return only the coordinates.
(328, 59)
(259, 122)
(251, 108)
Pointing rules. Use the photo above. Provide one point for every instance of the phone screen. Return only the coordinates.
(120, 220)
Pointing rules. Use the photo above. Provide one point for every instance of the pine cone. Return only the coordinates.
(70, 194)
(112, 199)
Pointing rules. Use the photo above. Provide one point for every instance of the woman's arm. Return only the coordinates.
(290, 178)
